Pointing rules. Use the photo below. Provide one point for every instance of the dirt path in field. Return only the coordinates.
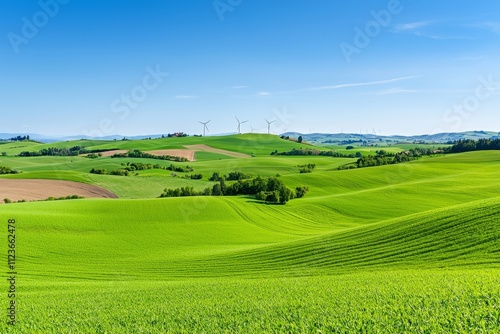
(207, 148)
(188, 154)
(42, 189)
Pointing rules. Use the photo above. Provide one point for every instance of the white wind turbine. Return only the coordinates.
(239, 125)
(269, 126)
(205, 127)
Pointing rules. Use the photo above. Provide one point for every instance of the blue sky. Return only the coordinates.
(144, 67)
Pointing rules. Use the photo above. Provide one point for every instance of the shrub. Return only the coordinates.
(301, 191)
(99, 171)
(119, 172)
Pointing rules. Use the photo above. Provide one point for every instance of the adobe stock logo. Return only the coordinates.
(373, 28)
(30, 28)
(223, 6)
(124, 105)
(470, 104)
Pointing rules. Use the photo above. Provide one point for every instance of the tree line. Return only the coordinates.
(468, 145)
(8, 200)
(270, 190)
(20, 138)
(61, 152)
(314, 152)
(384, 158)
(232, 176)
(306, 168)
(144, 155)
(7, 170)
(129, 167)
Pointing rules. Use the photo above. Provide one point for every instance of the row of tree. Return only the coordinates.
(384, 158)
(129, 167)
(64, 152)
(134, 166)
(103, 171)
(7, 170)
(8, 200)
(20, 138)
(55, 151)
(306, 168)
(271, 190)
(232, 176)
(314, 152)
(467, 145)
(144, 155)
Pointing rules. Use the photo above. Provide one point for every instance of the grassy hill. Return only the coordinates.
(418, 243)
(257, 144)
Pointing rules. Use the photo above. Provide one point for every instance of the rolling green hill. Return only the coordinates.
(257, 144)
(418, 243)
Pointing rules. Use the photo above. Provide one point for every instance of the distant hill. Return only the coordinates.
(52, 139)
(314, 138)
(346, 138)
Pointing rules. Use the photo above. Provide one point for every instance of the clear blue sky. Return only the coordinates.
(84, 66)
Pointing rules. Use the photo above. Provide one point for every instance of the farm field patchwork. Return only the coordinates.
(413, 247)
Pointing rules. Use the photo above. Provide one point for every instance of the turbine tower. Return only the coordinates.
(205, 127)
(239, 125)
(269, 126)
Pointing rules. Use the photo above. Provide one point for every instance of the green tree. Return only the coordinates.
(223, 187)
(215, 177)
(301, 191)
(285, 194)
(216, 190)
(261, 196)
(273, 197)
(299, 140)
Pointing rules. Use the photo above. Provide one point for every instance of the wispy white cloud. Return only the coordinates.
(338, 86)
(361, 84)
(441, 37)
(185, 97)
(427, 29)
(238, 87)
(411, 26)
(395, 91)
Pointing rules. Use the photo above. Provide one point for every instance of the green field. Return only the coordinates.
(408, 248)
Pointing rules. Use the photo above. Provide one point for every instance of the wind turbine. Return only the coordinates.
(239, 124)
(205, 127)
(269, 126)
